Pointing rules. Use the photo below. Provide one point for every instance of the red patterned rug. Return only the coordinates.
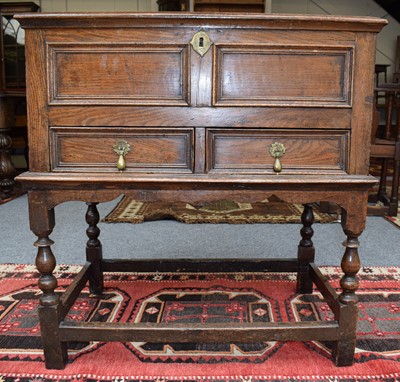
(189, 297)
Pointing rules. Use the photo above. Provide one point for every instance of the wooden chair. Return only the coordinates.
(386, 146)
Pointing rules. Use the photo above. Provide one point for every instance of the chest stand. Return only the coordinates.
(54, 307)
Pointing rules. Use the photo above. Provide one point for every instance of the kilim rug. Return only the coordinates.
(205, 297)
(395, 219)
(271, 210)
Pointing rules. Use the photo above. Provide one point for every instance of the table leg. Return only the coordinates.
(306, 251)
(343, 352)
(94, 250)
(42, 224)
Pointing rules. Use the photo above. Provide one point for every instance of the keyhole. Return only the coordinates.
(201, 42)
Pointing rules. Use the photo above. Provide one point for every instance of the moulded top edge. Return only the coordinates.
(227, 20)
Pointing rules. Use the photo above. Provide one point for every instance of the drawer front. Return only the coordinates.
(247, 151)
(151, 150)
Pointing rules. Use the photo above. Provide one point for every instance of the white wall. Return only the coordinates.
(387, 38)
(95, 5)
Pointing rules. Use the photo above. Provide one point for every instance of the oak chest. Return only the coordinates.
(199, 107)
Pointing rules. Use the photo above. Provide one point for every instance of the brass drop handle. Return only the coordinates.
(277, 150)
(122, 148)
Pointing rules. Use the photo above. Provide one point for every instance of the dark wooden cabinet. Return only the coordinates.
(173, 5)
(197, 107)
(248, 6)
(12, 91)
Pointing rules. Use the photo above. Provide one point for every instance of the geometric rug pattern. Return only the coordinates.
(395, 219)
(200, 297)
(272, 210)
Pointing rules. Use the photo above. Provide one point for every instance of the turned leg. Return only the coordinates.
(7, 170)
(50, 309)
(306, 251)
(343, 351)
(94, 250)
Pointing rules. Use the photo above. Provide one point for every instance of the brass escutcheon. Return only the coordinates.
(277, 150)
(122, 148)
(201, 43)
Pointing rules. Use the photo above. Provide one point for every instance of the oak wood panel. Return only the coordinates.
(247, 151)
(261, 75)
(39, 160)
(174, 20)
(201, 79)
(152, 150)
(235, 117)
(361, 121)
(200, 150)
(159, 36)
(137, 74)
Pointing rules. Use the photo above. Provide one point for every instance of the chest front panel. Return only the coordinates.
(214, 112)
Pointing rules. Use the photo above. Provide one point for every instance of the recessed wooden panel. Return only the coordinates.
(286, 75)
(118, 74)
(247, 151)
(152, 150)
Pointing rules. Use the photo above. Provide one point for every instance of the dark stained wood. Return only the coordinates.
(7, 170)
(386, 148)
(94, 252)
(200, 266)
(200, 129)
(69, 297)
(256, 6)
(305, 251)
(12, 91)
(329, 293)
(206, 333)
(343, 349)
(174, 20)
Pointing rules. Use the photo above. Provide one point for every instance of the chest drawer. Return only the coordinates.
(248, 151)
(151, 149)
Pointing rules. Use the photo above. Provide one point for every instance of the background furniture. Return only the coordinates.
(12, 90)
(380, 69)
(250, 6)
(386, 147)
(173, 5)
(212, 114)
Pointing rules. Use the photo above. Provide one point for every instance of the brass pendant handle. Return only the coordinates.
(201, 43)
(122, 148)
(277, 150)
